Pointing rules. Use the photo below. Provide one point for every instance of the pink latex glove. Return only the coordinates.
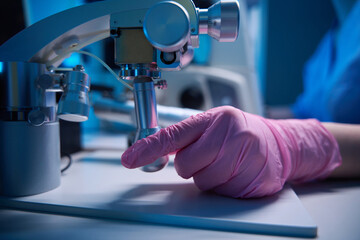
(239, 154)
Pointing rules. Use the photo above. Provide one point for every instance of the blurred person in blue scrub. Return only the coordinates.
(332, 75)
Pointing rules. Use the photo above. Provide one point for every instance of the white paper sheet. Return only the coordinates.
(97, 185)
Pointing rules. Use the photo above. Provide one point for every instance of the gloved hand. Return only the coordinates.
(239, 154)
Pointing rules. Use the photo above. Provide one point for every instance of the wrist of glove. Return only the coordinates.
(310, 150)
(239, 154)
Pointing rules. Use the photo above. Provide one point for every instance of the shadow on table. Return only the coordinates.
(325, 186)
(186, 199)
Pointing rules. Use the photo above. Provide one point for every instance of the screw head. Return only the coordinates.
(79, 68)
(161, 84)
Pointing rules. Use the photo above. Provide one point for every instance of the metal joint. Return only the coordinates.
(131, 71)
(51, 82)
(161, 84)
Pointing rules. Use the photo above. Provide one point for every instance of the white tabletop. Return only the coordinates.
(333, 205)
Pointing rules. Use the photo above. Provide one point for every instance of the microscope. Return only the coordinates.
(150, 36)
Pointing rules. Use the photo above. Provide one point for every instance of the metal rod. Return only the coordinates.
(146, 117)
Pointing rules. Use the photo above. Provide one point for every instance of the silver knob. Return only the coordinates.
(167, 26)
(36, 118)
(221, 20)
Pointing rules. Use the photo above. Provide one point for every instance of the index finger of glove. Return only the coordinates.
(167, 140)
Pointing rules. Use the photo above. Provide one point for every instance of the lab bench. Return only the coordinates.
(333, 205)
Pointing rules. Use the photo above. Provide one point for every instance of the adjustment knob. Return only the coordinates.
(167, 26)
(221, 20)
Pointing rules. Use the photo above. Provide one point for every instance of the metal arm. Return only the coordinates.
(78, 27)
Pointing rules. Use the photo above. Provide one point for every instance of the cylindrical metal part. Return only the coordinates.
(19, 93)
(145, 103)
(203, 21)
(29, 131)
(146, 117)
(29, 158)
(74, 104)
(221, 20)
